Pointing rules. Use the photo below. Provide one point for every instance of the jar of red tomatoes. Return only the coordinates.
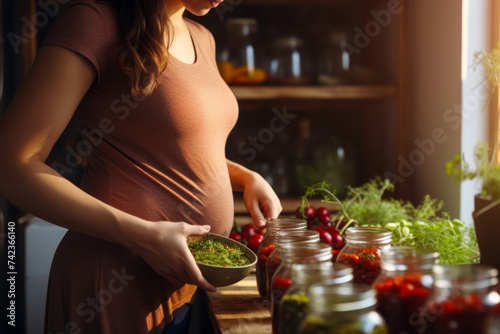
(403, 286)
(462, 301)
(342, 308)
(282, 238)
(295, 301)
(268, 244)
(282, 279)
(362, 251)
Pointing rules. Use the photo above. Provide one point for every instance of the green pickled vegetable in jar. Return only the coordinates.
(342, 309)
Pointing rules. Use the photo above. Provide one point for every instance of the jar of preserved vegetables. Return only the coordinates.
(295, 302)
(281, 280)
(268, 244)
(342, 308)
(282, 238)
(240, 61)
(403, 286)
(362, 251)
(462, 301)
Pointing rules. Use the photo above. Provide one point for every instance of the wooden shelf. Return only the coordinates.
(350, 92)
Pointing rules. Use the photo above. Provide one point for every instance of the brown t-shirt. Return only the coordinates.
(161, 157)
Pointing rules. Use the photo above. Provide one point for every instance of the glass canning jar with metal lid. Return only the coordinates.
(282, 238)
(293, 253)
(295, 301)
(463, 300)
(404, 285)
(240, 61)
(290, 63)
(342, 308)
(362, 251)
(268, 244)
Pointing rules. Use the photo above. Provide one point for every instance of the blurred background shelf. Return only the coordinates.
(352, 92)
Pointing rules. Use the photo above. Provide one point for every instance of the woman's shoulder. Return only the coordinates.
(198, 28)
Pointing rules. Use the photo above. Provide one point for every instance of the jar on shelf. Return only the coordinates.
(240, 60)
(268, 244)
(281, 280)
(342, 308)
(286, 237)
(463, 299)
(403, 286)
(290, 63)
(334, 60)
(363, 250)
(295, 302)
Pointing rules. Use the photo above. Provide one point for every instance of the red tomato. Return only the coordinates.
(321, 212)
(248, 231)
(324, 235)
(235, 236)
(255, 241)
(337, 241)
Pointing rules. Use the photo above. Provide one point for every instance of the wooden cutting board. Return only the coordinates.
(238, 309)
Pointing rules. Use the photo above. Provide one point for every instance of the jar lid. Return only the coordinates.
(302, 235)
(405, 258)
(341, 297)
(301, 252)
(366, 234)
(310, 273)
(290, 42)
(466, 277)
(242, 25)
(274, 225)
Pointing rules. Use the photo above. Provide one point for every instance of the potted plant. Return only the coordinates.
(486, 215)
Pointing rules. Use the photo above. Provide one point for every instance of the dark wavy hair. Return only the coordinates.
(146, 34)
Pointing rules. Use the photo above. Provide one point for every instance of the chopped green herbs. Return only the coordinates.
(218, 254)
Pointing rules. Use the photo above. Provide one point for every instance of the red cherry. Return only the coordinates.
(324, 235)
(255, 241)
(337, 241)
(248, 231)
(326, 220)
(322, 212)
(235, 236)
(310, 212)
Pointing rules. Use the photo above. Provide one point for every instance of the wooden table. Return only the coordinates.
(238, 309)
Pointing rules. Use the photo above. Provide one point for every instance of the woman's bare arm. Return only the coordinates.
(35, 119)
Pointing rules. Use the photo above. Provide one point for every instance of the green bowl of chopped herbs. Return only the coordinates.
(222, 261)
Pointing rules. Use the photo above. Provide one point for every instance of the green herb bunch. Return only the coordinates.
(422, 226)
(487, 170)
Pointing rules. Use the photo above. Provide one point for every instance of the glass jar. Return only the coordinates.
(362, 251)
(463, 300)
(281, 280)
(240, 61)
(286, 237)
(334, 60)
(403, 286)
(342, 308)
(290, 64)
(295, 302)
(268, 244)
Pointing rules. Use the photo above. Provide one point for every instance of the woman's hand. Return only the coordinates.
(260, 199)
(165, 249)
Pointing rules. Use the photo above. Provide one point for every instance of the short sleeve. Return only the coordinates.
(89, 28)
